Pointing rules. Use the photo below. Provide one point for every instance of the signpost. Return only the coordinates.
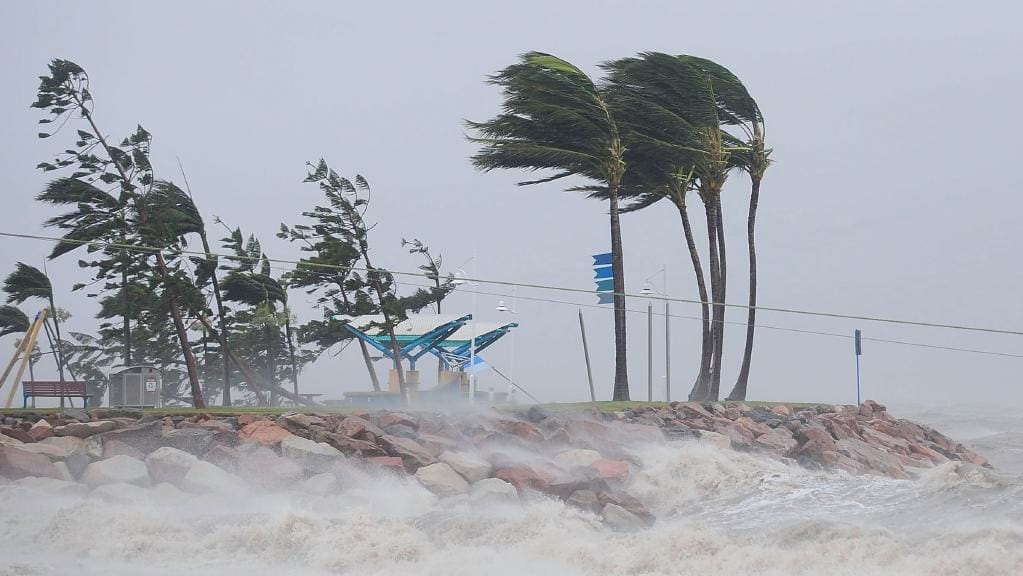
(604, 278)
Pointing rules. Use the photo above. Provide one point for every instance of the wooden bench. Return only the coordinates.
(54, 389)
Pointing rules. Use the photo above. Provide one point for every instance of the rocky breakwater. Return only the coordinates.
(584, 457)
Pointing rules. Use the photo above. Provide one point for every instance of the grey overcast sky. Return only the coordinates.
(896, 188)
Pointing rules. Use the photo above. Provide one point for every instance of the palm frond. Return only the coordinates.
(27, 282)
(12, 321)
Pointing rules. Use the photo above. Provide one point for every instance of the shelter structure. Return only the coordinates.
(448, 337)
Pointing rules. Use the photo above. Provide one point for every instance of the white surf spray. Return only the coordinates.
(718, 513)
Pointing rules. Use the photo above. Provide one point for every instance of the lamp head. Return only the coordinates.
(501, 307)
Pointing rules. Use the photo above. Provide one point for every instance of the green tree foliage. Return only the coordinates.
(554, 117)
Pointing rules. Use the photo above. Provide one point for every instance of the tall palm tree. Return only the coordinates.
(30, 282)
(555, 117)
(754, 162)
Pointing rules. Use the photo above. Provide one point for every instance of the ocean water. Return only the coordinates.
(718, 513)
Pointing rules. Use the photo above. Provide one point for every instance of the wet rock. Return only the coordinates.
(627, 502)
(812, 443)
(523, 478)
(264, 432)
(18, 434)
(621, 519)
(113, 448)
(442, 480)
(584, 500)
(390, 463)
(781, 410)
(41, 430)
(16, 463)
(470, 467)
(778, 440)
(611, 470)
(677, 430)
(520, 429)
(401, 430)
(119, 469)
(872, 409)
(493, 491)
(109, 413)
(196, 441)
(410, 451)
(248, 418)
(871, 457)
(169, 464)
(75, 414)
(84, 429)
(577, 458)
(263, 467)
(204, 477)
(222, 456)
(359, 429)
(311, 455)
(297, 422)
(393, 418)
(144, 437)
(536, 414)
(352, 446)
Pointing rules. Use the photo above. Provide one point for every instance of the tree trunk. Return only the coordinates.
(719, 344)
(179, 327)
(715, 287)
(707, 346)
(126, 296)
(362, 345)
(60, 344)
(739, 391)
(395, 349)
(271, 365)
(621, 384)
(222, 317)
(291, 351)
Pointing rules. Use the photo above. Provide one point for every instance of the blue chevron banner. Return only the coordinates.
(604, 278)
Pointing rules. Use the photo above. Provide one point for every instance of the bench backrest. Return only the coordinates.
(53, 388)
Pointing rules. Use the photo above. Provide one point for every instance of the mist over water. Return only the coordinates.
(718, 512)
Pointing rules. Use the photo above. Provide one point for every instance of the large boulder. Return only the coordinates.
(196, 441)
(584, 500)
(261, 466)
(264, 432)
(520, 429)
(169, 464)
(523, 478)
(871, 457)
(359, 428)
(296, 422)
(205, 477)
(18, 434)
(577, 458)
(472, 468)
(492, 491)
(17, 463)
(627, 502)
(311, 455)
(621, 519)
(143, 437)
(410, 451)
(442, 480)
(611, 470)
(64, 446)
(779, 441)
(119, 469)
(84, 429)
(353, 446)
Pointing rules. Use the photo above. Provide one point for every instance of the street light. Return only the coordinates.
(459, 280)
(502, 307)
(648, 290)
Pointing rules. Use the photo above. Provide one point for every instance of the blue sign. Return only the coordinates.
(604, 278)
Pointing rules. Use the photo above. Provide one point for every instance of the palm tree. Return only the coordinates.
(30, 282)
(555, 117)
(754, 162)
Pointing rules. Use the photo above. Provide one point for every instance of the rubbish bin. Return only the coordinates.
(135, 387)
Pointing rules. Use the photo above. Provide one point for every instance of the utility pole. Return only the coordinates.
(667, 352)
(859, 352)
(586, 354)
(649, 351)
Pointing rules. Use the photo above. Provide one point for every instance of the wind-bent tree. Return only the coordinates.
(754, 162)
(13, 320)
(327, 273)
(350, 202)
(555, 117)
(131, 210)
(30, 282)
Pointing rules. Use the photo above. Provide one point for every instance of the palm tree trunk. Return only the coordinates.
(271, 365)
(362, 345)
(715, 289)
(719, 344)
(621, 385)
(222, 317)
(127, 314)
(739, 391)
(707, 345)
(395, 349)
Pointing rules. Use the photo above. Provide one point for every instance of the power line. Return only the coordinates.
(307, 264)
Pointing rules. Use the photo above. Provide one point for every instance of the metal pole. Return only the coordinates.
(472, 343)
(667, 353)
(586, 353)
(650, 352)
(859, 351)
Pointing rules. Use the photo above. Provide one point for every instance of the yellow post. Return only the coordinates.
(30, 344)
(14, 359)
